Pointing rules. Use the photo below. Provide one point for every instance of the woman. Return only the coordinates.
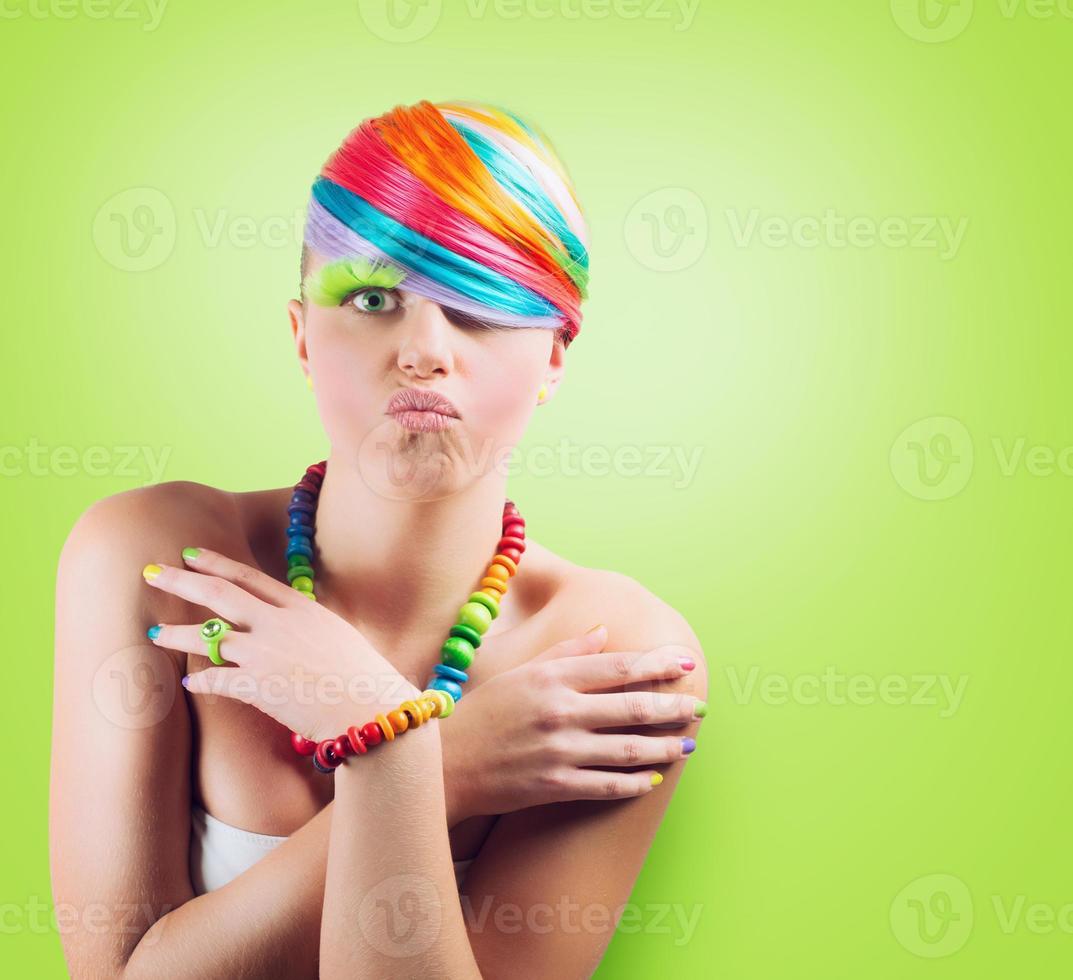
(442, 273)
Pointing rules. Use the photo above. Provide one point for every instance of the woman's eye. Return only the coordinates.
(375, 300)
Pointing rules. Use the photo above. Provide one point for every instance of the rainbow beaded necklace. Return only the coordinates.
(444, 687)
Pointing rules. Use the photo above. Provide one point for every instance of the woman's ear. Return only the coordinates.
(553, 374)
(296, 313)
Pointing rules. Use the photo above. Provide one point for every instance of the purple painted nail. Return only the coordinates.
(186, 680)
(688, 745)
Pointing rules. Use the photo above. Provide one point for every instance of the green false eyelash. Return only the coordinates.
(330, 283)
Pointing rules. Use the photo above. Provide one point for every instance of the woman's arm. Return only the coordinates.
(119, 831)
(546, 894)
(391, 903)
(548, 887)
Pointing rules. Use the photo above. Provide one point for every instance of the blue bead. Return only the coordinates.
(302, 496)
(301, 508)
(448, 687)
(299, 546)
(300, 530)
(451, 673)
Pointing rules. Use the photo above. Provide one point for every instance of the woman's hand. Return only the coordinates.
(296, 660)
(522, 738)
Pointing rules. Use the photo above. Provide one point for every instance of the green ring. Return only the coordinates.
(212, 632)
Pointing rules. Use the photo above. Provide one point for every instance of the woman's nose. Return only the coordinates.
(425, 344)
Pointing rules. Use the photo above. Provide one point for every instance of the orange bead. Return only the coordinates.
(399, 721)
(507, 562)
(385, 727)
(494, 583)
(415, 716)
(494, 593)
(495, 570)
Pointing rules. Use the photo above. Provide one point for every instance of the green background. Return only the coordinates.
(821, 834)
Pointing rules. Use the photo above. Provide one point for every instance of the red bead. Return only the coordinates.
(371, 733)
(511, 542)
(325, 756)
(357, 745)
(341, 747)
(319, 468)
(303, 745)
(309, 485)
(514, 530)
(512, 553)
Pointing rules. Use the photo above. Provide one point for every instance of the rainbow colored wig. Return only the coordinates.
(467, 201)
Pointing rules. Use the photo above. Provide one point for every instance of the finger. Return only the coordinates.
(227, 682)
(234, 645)
(590, 641)
(253, 580)
(620, 667)
(639, 708)
(224, 598)
(597, 784)
(629, 750)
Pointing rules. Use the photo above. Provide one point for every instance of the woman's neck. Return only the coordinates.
(401, 567)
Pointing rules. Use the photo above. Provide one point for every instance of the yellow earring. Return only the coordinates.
(542, 394)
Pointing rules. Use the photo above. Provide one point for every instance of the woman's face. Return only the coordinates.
(376, 341)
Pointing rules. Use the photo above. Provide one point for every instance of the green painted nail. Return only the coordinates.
(700, 709)
(191, 553)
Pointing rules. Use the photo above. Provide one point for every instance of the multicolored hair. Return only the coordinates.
(465, 201)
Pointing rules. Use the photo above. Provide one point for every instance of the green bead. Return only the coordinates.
(303, 583)
(467, 634)
(297, 560)
(476, 616)
(295, 570)
(485, 600)
(457, 653)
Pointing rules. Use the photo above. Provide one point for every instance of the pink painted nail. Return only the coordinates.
(686, 663)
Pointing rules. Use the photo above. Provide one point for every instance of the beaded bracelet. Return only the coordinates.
(329, 753)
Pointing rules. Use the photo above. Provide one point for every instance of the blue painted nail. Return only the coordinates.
(185, 680)
(688, 745)
(153, 632)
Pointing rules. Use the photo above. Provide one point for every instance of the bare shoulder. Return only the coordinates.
(635, 617)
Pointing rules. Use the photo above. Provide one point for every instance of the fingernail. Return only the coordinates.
(150, 572)
(687, 663)
(700, 709)
(657, 778)
(592, 629)
(688, 745)
(190, 554)
(186, 681)
(153, 632)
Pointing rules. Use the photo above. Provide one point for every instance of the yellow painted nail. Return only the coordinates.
(596, 627)
(151, 572)
(657, 778)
